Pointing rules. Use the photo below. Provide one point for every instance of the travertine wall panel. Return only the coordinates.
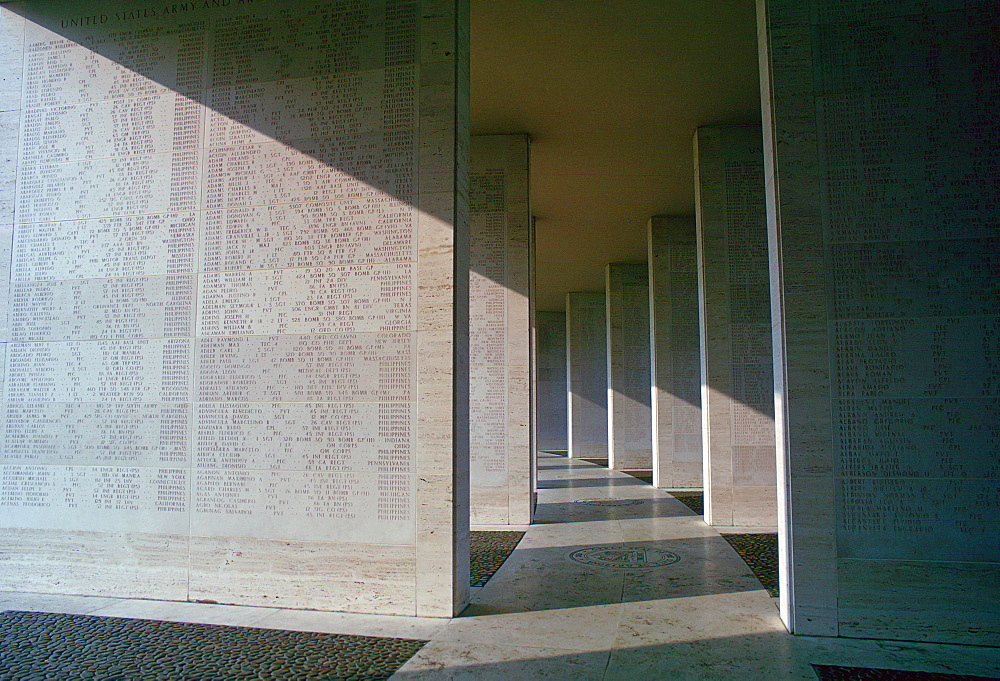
(499, 331)
(238, 246)
(630, 429)
(675, 353)
(550, 330)
(587, 375)
(735, 329)
(884, 257)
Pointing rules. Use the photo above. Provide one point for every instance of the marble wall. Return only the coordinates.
(235, 368)
(676, 358)
(630, 429)
(587, 375)
(880, 140)
(499, 332)
(735, 329)
(550, 360)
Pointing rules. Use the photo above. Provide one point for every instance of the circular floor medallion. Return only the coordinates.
(624, 556)
(611, 502)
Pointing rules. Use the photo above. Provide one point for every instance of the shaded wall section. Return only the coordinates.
(880, 126)
(587, 375)
(550, 360)
(675, 353)
(735, 328)
(237, 368)
(630, 430)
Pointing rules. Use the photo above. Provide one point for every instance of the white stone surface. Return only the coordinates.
(499, 331)
(735, 329)
(884, 267)
(587, 375)
(235, 326)
(675, 354)
(550, 358)
(630, 428)
(545, 616)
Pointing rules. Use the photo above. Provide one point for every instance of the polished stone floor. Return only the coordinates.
(615, 580)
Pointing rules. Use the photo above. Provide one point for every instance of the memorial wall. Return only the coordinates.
(676, 359)
(881, 146)
(550, 330)
(499, 332)
(230, 365)
(587, 375)
(735, 329)
(630, 428)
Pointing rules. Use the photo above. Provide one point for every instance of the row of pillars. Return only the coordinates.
(670, 368)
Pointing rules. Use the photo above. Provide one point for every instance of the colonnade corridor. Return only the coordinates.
(614, 580)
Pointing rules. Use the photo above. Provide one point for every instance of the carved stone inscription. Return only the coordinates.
(488, 328)
(500, 457)
(909, 217)
(751, 382)
(550, 357)
(587, 380)
(676, 404)
(213, 277)
(630, 425)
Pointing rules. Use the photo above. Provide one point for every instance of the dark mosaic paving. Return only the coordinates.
(488, 551)
(645, 476)
(830, 673)
(47, 646)
(693, 500)
(760, 552)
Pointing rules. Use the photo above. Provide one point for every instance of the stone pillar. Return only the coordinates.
(551, 385)
(237, 361)
(676, 363)
(881, 157)
(587, 375)
(499, 332)
(630, 429)
(735, 329)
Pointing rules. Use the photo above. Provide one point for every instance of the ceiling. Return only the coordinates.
(611, 92)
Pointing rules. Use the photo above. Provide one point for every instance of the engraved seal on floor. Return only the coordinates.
(624, 556)
(611, 502)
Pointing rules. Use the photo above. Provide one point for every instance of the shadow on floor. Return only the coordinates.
(645, 475)
(720, 658)
(589, 482)
(583, 575)
(588, 510)
(693, 500)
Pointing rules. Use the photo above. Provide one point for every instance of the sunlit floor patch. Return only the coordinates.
(42, 645)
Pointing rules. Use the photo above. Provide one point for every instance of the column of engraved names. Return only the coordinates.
(635, 363)
(487, 326)
(306, 296)
(102, 280)
(684, 354)
(913, 287)
(749, 323)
